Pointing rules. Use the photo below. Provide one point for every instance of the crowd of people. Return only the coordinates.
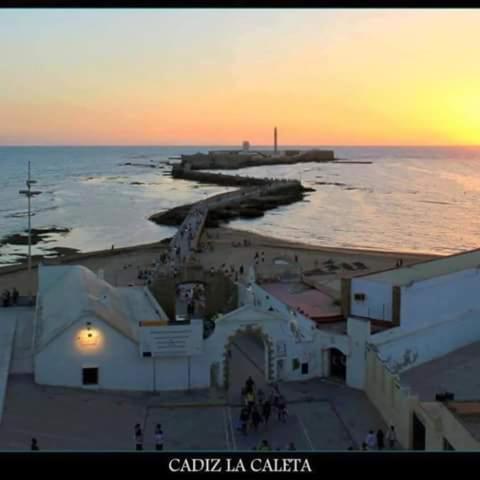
(193, 296)
(9, 299)
(257, 407)
(182, 243)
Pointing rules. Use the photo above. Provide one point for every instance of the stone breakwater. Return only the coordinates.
(254, 197)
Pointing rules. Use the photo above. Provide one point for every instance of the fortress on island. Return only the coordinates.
(245, 157)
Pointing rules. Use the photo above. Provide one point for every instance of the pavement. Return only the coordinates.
(323, 415)
(333, 418)
(8, 320)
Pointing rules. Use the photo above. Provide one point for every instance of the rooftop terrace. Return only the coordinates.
(456, 372)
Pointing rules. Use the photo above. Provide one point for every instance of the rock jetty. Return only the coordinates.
(254, 197)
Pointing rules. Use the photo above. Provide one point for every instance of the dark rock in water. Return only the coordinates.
(38, 235)
(137, 183)
(250, 213)
(360, 265)
(172, 217)
(336, 184)
(61, 251)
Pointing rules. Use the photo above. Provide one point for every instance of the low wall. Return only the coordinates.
(397, 405)
(402, 350)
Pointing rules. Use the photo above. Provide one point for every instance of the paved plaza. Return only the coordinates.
(322, 416)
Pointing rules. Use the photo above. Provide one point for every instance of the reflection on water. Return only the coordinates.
(414, 199)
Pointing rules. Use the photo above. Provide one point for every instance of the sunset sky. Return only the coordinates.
(165, 77)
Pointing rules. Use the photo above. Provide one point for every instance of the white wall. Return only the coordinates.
(275, 327)
(278, 330)
(118, 358)
(402, 350)
(378, 300)
(397, 405)
(358, 333)
(431, 301)
(264, 300)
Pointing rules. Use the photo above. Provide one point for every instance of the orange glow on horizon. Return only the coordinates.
(406, 77)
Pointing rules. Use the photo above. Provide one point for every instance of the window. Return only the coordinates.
(295, 364)
(359, 297)
(304, 368)
(90, 376)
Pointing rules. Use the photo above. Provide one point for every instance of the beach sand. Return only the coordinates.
(121, 266)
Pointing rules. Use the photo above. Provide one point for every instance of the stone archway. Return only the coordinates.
(221, 294)
(269, 365)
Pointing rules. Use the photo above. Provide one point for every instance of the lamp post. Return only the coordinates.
(29, 194)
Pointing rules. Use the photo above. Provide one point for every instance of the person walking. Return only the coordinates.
(371, 440)
(265, 446)
(34, 445)
(250, 398)
(380, 439)
(244, 417)
(250, 384)
(266, 411)
(391, 437)
(158, 437)
(282, 409)
(256, 418)
(14, 296)
(260, 397)
(138, 437)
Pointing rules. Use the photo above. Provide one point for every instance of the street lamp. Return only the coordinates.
(29, 193)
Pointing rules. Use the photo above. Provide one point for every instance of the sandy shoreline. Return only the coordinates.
(275, 241)
(121, 266)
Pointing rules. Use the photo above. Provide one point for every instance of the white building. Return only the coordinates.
(418, 315)
(403, 325)
(90, 334)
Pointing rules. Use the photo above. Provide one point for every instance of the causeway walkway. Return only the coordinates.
(185, 241)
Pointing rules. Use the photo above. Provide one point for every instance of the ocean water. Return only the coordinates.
(415, 199)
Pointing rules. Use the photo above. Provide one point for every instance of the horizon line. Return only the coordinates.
(236, 146)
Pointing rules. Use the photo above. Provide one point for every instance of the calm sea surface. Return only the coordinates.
(410, 199)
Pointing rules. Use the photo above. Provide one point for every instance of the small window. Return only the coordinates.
(304, 368)
(359, 297)
(90, 376)
(147, 354)
(295, 364)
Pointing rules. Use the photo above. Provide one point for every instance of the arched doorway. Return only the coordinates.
(248, 352)
(336, 364)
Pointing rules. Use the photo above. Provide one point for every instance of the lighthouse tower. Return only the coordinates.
(275, 140)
